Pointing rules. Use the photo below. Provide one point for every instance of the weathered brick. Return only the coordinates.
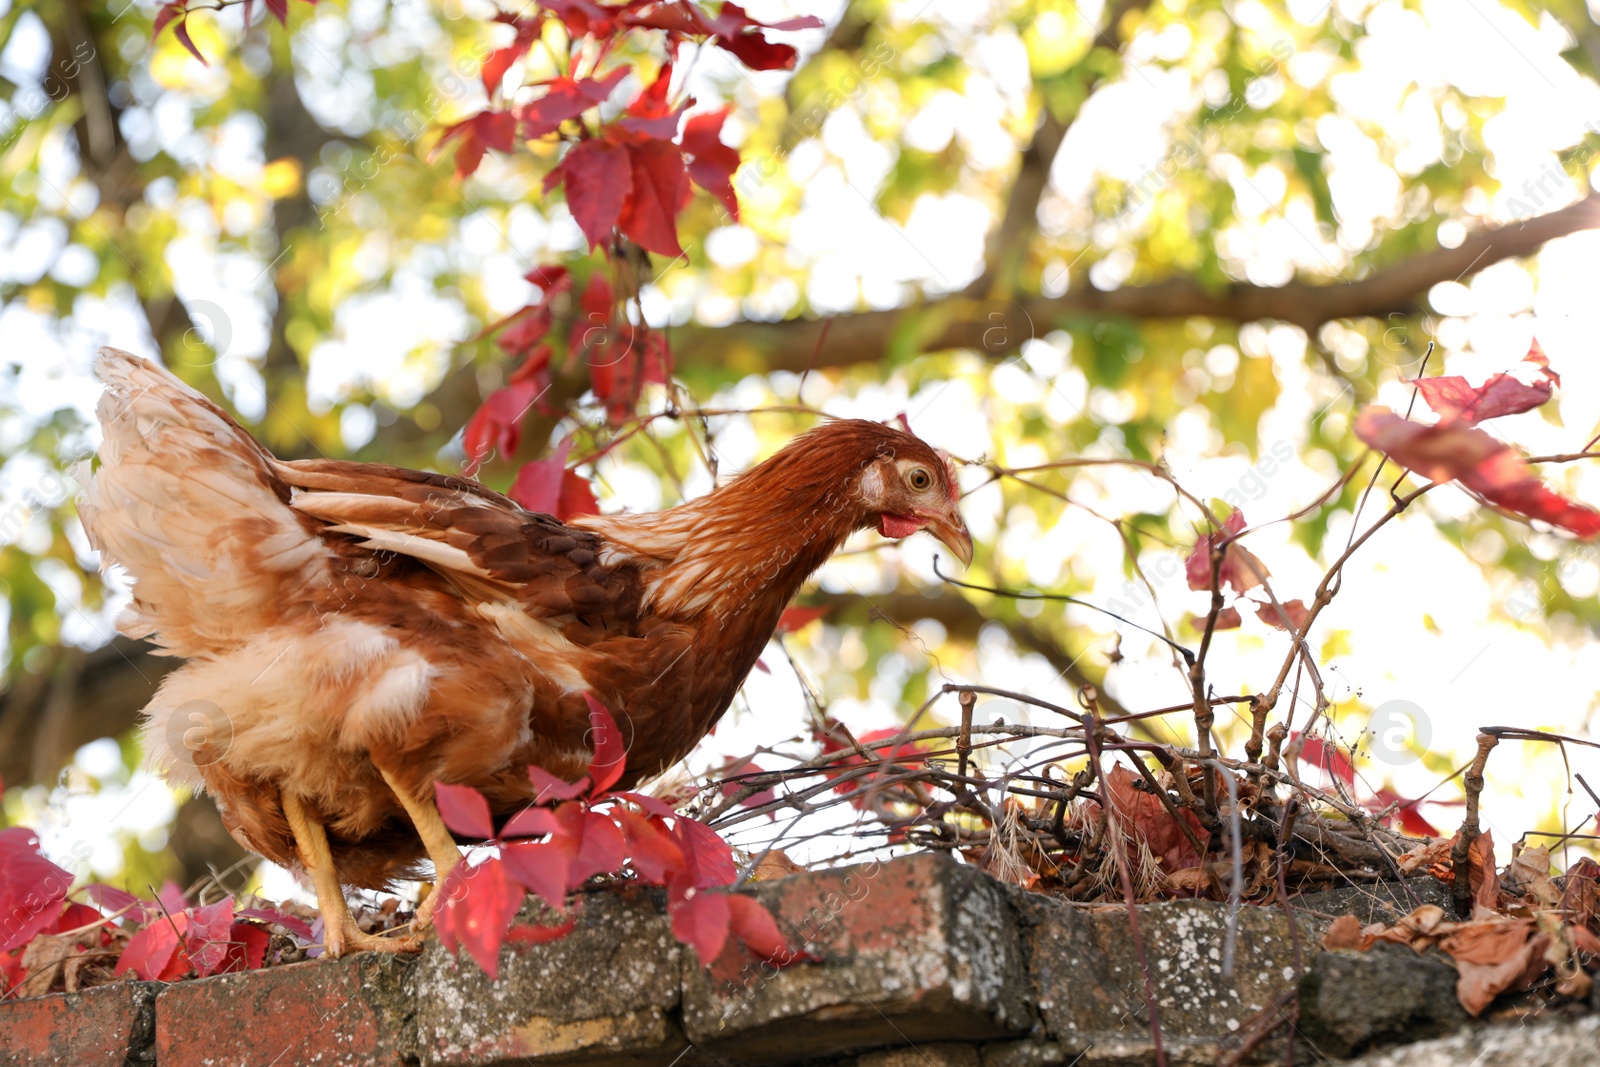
(919, 950)
(605, 994)
(941, 1055)
(1090, 983)
(107, 1025)
(348, 1013)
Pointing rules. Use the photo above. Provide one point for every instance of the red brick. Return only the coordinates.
(921, 949)
(107, 1025)
(348, 1013)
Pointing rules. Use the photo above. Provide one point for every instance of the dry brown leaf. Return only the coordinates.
(775, 864)
(1494, 956)
(1345, 933)
(1424, 856)
(1528, 876)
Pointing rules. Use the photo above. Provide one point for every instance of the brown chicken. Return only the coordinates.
(357, 632)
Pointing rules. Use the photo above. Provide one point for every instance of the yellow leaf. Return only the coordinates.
(280, 178)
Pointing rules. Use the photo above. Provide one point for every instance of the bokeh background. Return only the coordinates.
(1201, 234)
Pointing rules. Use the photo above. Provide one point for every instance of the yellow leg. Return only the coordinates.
(436, 838)
(339, 931)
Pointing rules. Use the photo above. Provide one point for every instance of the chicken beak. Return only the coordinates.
(952, 530)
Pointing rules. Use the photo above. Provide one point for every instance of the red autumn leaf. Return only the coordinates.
(538, 483)
(753, 924)
(541, 868)
(602, 851)
(700, 920)
(1295, 610)
(712, 163)
(1146, 820)
(298, 927)
(651, 115)
(464, 810)
(279, 10)
(181, 32)
(530, 822)
(654, 805)
(500, 60)
(598, 178)
(1509, 393)
(1227, 619)
(172, 897)
(547, 787)
(793, 619)
(735, 768)
(522, 330)
(1411, 820)
(708, 861)
(1482, 464)
(565, 98)
(610, 749)
(113, 900)
(478, 906)
(577, 497)
(485, 130)
(31, 887)
(152, 953)
(209, 936)
(247, 948)
(654, 854)
(1329, 758)
(497, 424)
(170, 11)
(1240, 569)
(650, 217)
(582, 17)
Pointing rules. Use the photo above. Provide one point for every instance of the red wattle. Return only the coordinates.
(897, 526)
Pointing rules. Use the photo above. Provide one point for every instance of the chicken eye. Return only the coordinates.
(919, 479)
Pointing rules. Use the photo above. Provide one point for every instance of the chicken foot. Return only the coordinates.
(436, 838)
(340, 933)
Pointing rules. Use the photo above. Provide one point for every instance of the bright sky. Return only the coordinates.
(1423, 623)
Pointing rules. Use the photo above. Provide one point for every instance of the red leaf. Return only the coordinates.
(708, 861)
(581, 17)
(152, 953)
(654, 805)
(497, 424)
(793, 619)
(1411, 821)
(1227, 619)
(548, 787)
(209, 934)
(1502, 394)
(538, 483)
(754, 925)
(1329, 758)
(167, 13)
(464, 810)
(565, 99)
(247, 948)
(650, 217)
(610, 749)
(577, 498)
(700, 920)
(598, 178)
(112, 899)
(1482, 464)
(530, 822)
(279, 10)
(654, 854)
(31, 888)
(1295, 609)
(500, 60)
(297, 927)
(181, 31)
(602, 851)
(550, 278)
(542, 868)
(486, 129)
(479, 904)
(712, 163)
(1146, 820)
(1240, 569)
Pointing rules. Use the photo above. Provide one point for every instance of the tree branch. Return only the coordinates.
(960, 321)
